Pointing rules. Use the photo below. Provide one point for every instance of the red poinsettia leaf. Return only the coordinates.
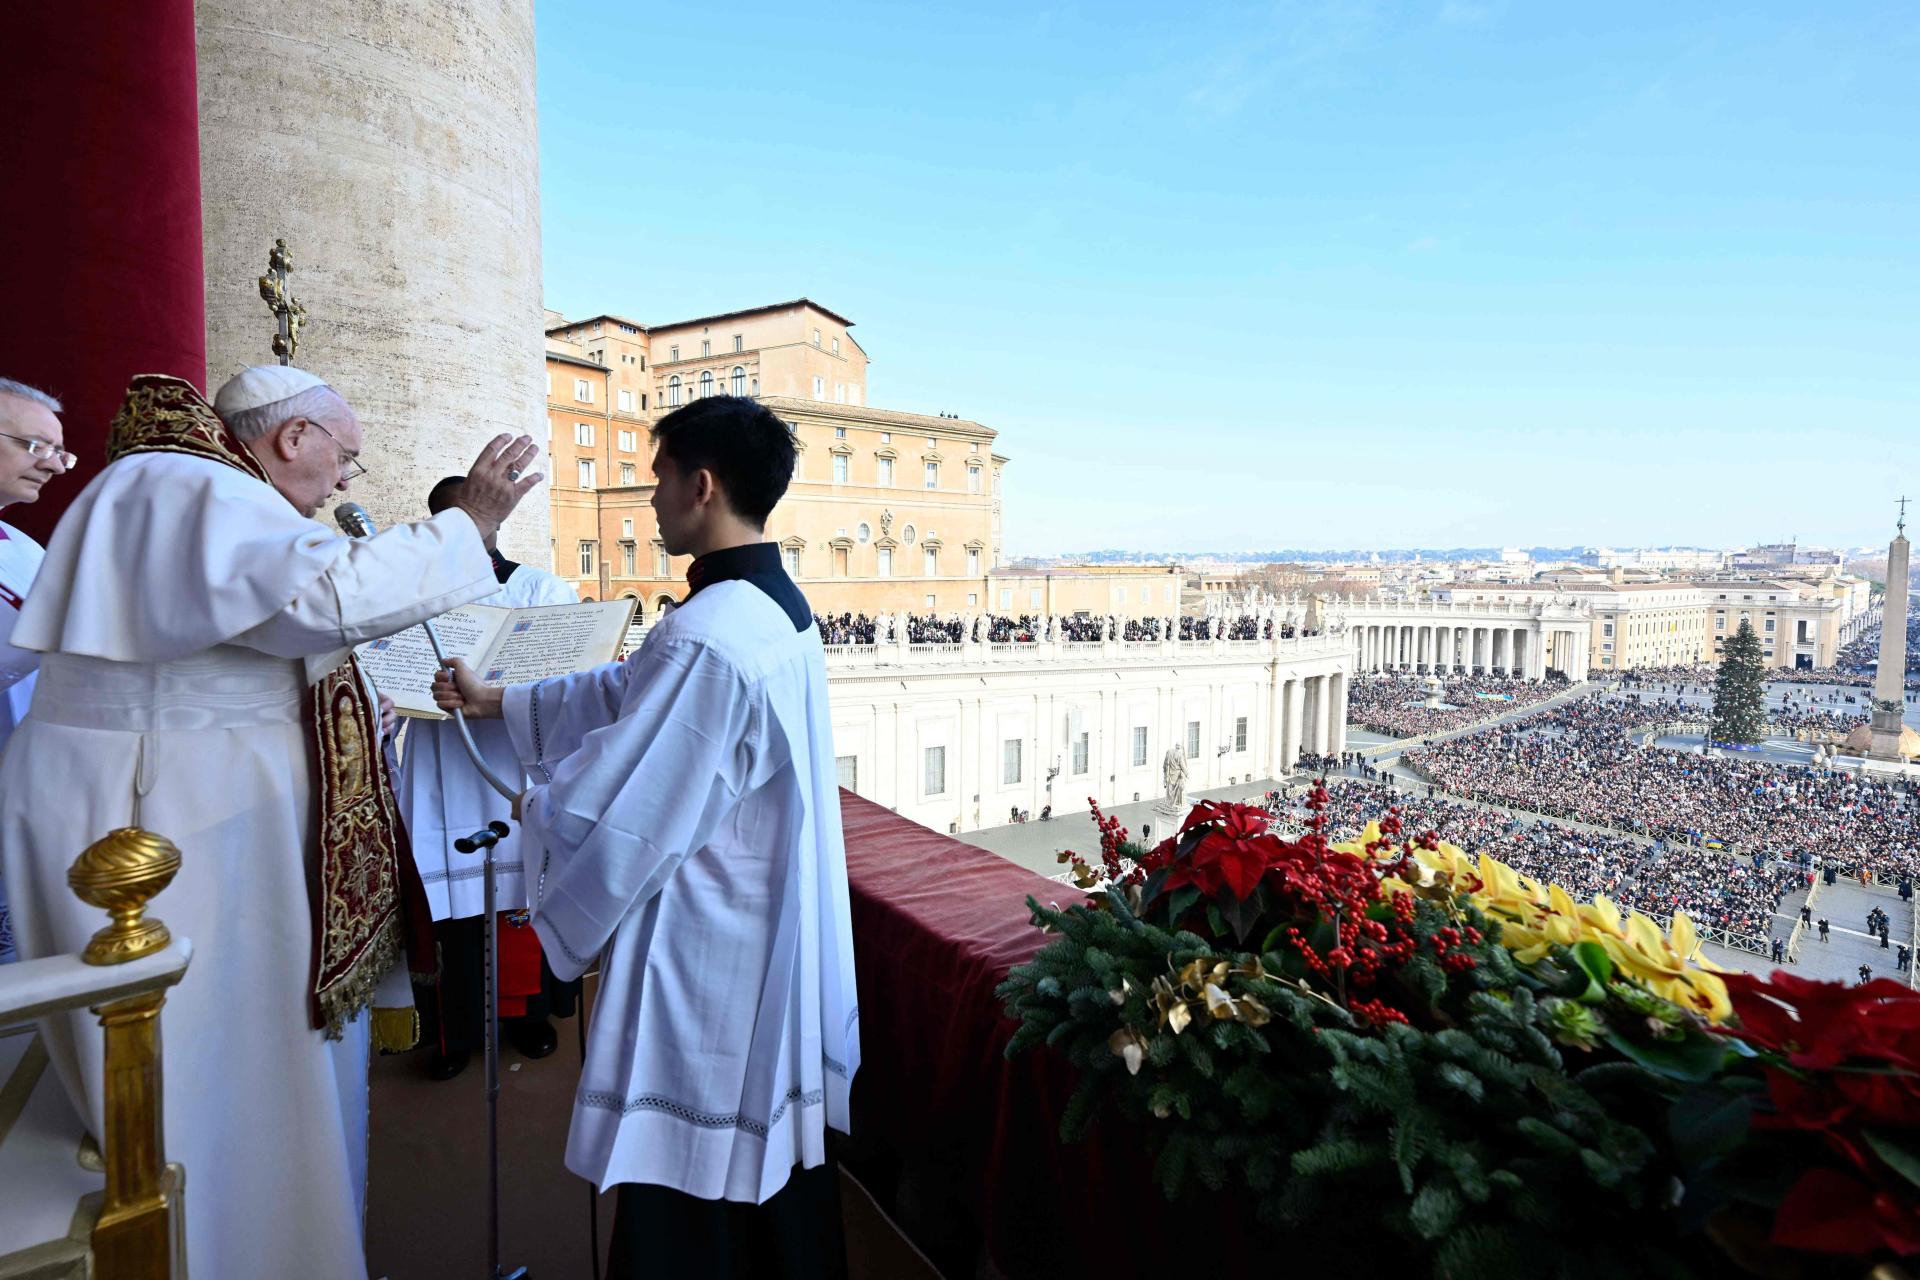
(1243, 866)
(1827, 1212)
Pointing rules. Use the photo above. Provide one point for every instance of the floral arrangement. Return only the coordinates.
(1398, 1054)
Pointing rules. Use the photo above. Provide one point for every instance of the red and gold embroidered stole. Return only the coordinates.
(367, 901)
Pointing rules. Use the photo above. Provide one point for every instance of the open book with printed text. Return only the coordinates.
(503, 646)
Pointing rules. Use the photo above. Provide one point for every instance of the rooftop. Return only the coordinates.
(860, 413)
(724, 315)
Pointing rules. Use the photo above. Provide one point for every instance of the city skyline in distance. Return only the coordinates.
(1315, 276)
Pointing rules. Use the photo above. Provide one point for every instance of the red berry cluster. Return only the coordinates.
(1309, 880)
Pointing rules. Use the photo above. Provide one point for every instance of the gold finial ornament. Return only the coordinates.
(119, 873)
(288, 314)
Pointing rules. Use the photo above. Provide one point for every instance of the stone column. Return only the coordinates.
(1295, 696)
(1337, 713)
(394, 147)
(1316, 717)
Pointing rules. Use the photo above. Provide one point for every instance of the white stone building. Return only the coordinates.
(960, 736)
(1524, 639)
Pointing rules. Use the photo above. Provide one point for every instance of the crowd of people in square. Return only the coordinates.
(1714, 888)
(1027, 628)
(1393, 704)
(1581, 762)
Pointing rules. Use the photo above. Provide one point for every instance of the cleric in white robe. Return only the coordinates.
(687, 815)
(193, 620)
(442, 798)
(32, 452)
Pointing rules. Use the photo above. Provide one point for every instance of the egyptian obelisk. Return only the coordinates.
(1889, 681)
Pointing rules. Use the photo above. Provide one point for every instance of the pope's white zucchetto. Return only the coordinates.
(262, 385)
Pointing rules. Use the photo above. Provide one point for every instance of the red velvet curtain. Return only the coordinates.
(100, 247)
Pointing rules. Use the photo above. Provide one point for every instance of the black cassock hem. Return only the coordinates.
(663, 1234)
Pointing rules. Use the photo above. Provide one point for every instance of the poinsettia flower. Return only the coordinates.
(1828, 1212)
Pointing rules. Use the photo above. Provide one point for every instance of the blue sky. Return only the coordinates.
(1242, 276)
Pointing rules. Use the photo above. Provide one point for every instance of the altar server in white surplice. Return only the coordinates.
(442, 798)
(686, 821)
(193, 618)
(32, 452)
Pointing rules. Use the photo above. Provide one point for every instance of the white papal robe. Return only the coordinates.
(688, 823)
(442, 797)
(182, 611)
(20, 558)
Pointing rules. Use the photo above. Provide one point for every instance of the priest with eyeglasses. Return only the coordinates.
(194, 624)
(33, 453)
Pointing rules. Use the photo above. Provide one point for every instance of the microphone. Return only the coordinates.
(354, 520)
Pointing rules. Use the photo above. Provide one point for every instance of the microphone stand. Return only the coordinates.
(355, 522)
(482, 842)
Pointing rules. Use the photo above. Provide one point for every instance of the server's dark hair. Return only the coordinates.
(749, 451)
(440, 497)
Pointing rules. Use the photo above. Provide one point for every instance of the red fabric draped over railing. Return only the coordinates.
(937, 924)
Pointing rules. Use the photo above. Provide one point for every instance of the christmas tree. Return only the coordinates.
(1739, 691)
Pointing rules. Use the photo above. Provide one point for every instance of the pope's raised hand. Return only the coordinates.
(498, 480)
(455, 687)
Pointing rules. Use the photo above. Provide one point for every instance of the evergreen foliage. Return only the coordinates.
(1739, 690)
(1454, 1145)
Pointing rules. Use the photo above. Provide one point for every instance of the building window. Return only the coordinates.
(973, 479)
(908, 534)
(706, 347)
(587, 549)
(936, 779)
(1010, 761)
(626, 473)
(846, 768)
(886, 562)
(1606, 628)
(660, 567)
(1081, 750)
(863, 532)
(841, 557)
(673, 391)
(1139, 746)
(819, 388)
(626, 559)
(739, 380)
(739, 342)
(1769, 624)
(1193, 739)
(626, 401)
(706, 383)
(583, 433)
(1006, 597)
(1240, 734)
(839, 468)
(933, 475)
(973, 563)
(673, 353)
(586, 473)
(583, 391)
(930, 561)
(626, 528)
(839, 393)
(792, 556)
(836, 346)
(886, 471)
(1033, 598)
(973, 599)
(816, 337)
(629, 441)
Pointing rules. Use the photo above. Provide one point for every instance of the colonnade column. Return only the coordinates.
(1290, 751)
(1336, 713)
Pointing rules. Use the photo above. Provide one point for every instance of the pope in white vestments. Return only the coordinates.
(32, 452)
(686, 815)
(185, 607)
